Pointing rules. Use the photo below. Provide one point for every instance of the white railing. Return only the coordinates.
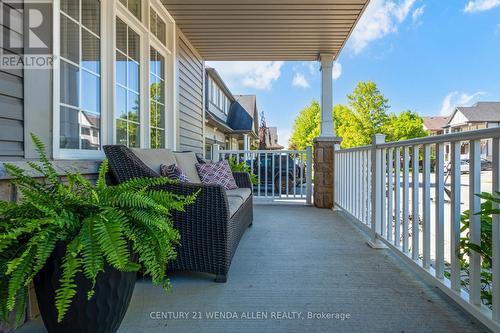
(279, 174)
(385, 185)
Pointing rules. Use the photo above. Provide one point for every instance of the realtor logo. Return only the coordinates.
(26, 38)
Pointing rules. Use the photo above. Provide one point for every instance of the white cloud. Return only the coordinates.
(417, 13)
(299, 80)
(380, 19)
(455, 98)
(337, 70)
(480, 5)
(253, 74)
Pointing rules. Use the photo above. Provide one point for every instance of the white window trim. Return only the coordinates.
(113, 9)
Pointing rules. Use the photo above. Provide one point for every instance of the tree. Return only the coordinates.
(406, 125)
(365, 115)
(306, 127)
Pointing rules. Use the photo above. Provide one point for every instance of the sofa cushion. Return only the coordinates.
(174, 172)
(154, 158)
(187, 162)
(241, 192)
(234, 204)
(217, 174)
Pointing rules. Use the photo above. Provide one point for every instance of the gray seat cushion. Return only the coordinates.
(234, 204)
(242, 193)
(154, 158)
(187, 162)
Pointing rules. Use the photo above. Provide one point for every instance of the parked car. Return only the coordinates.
(486, 165)
(274, 175)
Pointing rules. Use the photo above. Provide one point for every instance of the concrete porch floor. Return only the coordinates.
(299, 259)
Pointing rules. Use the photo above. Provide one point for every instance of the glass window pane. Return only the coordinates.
(121, 36)
(91, 52)
(121, 103)
(162, 31)
(121, 68)
(90, 125)
(91, 15)
(133, 106)
(71, 7)
(135, 7)
(69, 89)
(121, 132)
(152, 21)
(133, 45)
(133, 76)
(90, 92)
(68, 128)
(153, 108)
(70, 40)
(161, 116)
(133, 135)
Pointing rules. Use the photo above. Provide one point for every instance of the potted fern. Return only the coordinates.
(82, 244)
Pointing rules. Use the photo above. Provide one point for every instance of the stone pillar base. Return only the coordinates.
(324, 172)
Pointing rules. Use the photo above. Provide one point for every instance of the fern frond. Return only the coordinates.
(93, 262)
(17, 270)
(101, 179)
(110, 238)
(71, 266)
(49, 171)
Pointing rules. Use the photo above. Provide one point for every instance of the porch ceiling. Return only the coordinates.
(266, 29)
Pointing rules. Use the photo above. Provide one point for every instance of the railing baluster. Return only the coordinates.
(427, 206)
(309, 175)
(397, 198)
(383, 188)
(415, 232)
(496, 233)
(475, 220)
(258, 175)
(390, 190)
(406, 197)
(439, 218)
(455, 216)
(272, 173)
(358, 187)
(287, 174)
(266, 171)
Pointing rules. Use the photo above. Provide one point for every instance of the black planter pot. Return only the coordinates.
(102, 314)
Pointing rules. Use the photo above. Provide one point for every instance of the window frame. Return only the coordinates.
(141, 26)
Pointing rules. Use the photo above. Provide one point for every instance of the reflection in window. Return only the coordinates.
(157, 26)
(157, 102)
(127, 100)
(80, 75)
(134, 6)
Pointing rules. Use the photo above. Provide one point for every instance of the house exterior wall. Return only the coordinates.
(11, 95)
(191, 78)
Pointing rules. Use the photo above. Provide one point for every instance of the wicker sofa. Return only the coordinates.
(212, 227)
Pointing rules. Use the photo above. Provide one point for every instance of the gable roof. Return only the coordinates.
(243, 115)
(479, 112)
(435, 123)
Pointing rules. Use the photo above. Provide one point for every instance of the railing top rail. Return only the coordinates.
(348, 150)
(486, 133)
(262, 151)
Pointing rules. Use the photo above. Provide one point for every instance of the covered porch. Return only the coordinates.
(296, 262)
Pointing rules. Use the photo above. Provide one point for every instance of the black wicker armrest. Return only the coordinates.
(242, 179)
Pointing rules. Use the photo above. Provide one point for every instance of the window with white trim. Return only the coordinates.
(127, 89)
(134, 6)
(80, 73)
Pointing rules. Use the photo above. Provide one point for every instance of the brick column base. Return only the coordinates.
(324, 171)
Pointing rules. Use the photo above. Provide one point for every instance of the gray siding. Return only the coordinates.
(11, 101)
(190, 98)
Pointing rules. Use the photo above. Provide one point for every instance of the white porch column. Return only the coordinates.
(326, 128)
(246, 142)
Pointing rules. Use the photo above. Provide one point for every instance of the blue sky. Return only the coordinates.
(427, 56)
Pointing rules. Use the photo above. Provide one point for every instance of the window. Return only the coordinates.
(157, 27)
(157, 99)
(127, 96)
(134, 6)
(80, 75)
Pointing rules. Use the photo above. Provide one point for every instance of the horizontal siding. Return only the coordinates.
(11, 97)
(190, 98)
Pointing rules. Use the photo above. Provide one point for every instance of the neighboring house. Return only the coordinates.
(269, 138)
(231, 121)
(434, 125)
(480, 115)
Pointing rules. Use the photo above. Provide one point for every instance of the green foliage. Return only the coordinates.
(237, 166)
(365, 115)
(484, 248)
(99, 225)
